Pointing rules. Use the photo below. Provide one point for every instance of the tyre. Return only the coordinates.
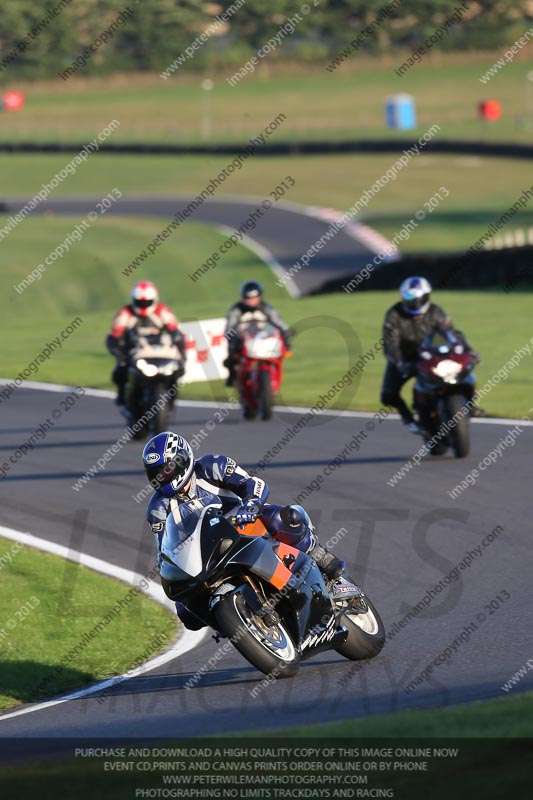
(431, 422)
(160, 419)
(459, 434)
(366, 632)
(439, 449)
(141, 431)
(249, 413)
(265, 394)
(270, 650)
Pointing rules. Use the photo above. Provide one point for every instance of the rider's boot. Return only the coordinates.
(229, 363)
(120, 399)
(327, 562)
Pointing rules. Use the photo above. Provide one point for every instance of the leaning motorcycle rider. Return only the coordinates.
(250, 308)
(184, 486)
(406, 325)
(144, 316)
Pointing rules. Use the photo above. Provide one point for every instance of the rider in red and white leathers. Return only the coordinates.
(144, 316)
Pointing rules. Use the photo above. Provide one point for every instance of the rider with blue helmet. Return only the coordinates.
(184, 485)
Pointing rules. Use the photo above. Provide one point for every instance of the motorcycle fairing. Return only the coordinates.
(199, 554)
(266, 357)
(431, 357)
(315, 619)
(264, 562)
(215, 546)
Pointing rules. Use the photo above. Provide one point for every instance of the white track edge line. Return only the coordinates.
(58, 387)
(187, 641)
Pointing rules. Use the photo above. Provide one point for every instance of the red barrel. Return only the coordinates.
(490, 110)
(13, 100)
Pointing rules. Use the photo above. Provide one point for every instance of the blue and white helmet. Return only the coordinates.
(168, 462)
(416, 295)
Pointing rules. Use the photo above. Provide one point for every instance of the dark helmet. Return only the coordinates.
(295, 519)
(251, 289)
(168, 462)
(416, 295)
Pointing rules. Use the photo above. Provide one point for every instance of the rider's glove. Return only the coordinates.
(248, 512)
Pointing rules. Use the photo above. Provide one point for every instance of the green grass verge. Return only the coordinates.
(496, 765)
(495, 768)
(347, 103)
(88, 282)
(505, 718)
(48, 605)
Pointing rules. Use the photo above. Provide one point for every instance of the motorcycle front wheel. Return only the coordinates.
(265, 394)
(160, 420)
(459, 434)
(269, 649)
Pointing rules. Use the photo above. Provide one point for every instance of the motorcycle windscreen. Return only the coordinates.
(182, 540)
(263, 343)
(158, 345)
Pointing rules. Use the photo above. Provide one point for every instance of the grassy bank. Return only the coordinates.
(489, 761)
(88, 282)
(48, 610)
(504, 718)
(346, 103)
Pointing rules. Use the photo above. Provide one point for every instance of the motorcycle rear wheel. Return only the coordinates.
(366, 632)
(265, 394)
(438, 449)
(140, 431)
(160, 420)
(270, 650)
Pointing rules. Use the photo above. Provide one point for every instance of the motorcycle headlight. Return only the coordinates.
(147, 369)
(448, 370)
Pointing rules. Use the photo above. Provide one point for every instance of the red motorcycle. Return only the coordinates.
(260, 368)
(444, 384)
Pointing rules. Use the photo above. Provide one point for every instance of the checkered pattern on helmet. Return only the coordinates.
(172, 445)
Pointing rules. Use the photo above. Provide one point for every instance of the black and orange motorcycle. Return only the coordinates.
(269, 599)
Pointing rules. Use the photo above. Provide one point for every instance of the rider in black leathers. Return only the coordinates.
(406, 325)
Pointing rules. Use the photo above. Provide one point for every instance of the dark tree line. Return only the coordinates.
(159, 30)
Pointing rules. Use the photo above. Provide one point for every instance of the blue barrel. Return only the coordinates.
(400, 113)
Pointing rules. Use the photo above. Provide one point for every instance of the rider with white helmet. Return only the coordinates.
(406, 325)
(145, 315)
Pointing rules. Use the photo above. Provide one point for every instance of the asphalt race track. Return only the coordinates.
(399, 543)
(282, 234)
